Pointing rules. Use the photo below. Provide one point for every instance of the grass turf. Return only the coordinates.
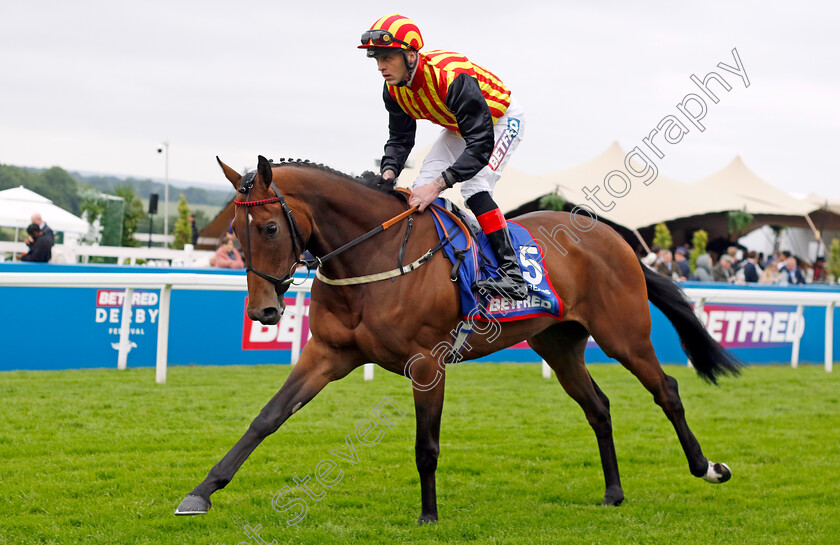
(105, 456)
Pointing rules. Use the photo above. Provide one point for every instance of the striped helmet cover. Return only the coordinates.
(402, 28)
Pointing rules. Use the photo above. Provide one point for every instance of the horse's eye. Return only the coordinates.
(270, 230)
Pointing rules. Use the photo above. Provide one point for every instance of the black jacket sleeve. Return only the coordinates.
(464, 99)
(402, 128)
(39, 251)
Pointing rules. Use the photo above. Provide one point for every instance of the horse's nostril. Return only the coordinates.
(269, 316)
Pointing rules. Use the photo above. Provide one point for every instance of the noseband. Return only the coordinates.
(281, 285)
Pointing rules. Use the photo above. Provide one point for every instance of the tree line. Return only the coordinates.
(87, 196)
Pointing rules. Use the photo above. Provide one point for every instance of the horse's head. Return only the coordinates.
(270, 237)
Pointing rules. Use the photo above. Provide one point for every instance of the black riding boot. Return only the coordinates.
(510, 284)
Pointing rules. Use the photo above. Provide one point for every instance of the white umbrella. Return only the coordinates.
(18, 204)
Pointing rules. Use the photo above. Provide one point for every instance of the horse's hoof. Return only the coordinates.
(427, 519)
(718, 473)
(613, 497)
(193, 505)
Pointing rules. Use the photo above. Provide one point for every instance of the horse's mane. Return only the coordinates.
(367, 178)
(307, 163)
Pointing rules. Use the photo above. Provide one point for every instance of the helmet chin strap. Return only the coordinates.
(409, 69)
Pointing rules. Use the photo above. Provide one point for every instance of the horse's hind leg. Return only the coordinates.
(428, 408)
(635, 352)
(562, 346)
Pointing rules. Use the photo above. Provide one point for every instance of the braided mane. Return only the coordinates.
(307, 163)
(367, 178)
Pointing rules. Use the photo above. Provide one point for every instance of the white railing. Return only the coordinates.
(75, 253)
(157, 238)
(195, 281)
(166, 282)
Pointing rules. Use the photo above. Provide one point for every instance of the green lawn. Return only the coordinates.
(105, 456)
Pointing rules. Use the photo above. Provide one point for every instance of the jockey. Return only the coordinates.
(482, 126)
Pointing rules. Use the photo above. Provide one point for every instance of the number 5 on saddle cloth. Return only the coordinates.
(480, 262)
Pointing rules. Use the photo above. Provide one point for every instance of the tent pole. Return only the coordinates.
(644, 244)
(816, 234)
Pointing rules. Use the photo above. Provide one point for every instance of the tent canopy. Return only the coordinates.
(734, 187)
(664, 199)
(18, 204)
(754, 194)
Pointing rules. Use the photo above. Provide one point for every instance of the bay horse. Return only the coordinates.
(284, 208)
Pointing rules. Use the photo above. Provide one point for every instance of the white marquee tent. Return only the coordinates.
(754, 194)
(734, 187)
(18, 204)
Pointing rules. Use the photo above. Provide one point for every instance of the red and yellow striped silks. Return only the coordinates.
(425, 98)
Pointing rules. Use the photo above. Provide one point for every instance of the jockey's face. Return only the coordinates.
(392, 67)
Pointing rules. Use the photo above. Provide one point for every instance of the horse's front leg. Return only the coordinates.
(318, 365)
(428, 387)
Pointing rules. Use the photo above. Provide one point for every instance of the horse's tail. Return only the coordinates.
(708, 357)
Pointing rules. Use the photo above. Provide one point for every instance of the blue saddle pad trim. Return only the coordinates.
(542, 299)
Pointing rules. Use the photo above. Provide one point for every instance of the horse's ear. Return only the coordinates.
(264, 170)
(234, 177)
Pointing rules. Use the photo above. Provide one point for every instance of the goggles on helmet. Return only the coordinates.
(381, 38)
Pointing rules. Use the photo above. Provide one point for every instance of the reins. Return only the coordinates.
(319, 261)
(401, 270)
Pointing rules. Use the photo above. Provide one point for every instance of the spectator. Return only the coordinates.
(732, 252)
(723, 270)
(40, 245)
(45, 229)
(227, 257)
(229, 233)
(656, 249)
(194, 230)
(770, 275)
(783, 259)
(683, 267)
(751, 271)
(703, 270)
(819, 270)
(790, 273)
(650, 260)
(665, 266)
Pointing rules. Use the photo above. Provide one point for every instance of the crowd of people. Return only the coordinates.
(736, 266)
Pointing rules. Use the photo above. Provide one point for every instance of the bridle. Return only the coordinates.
(281, 285)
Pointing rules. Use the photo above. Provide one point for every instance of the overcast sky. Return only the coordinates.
(98, 85)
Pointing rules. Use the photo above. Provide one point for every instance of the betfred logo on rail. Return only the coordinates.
(748, 326)
(116, 298)
(142, 319)
(256, 336)
(143, 308)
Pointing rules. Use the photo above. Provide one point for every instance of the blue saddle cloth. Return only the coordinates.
(542, 300)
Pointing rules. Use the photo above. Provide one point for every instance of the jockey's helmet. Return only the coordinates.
(391, 32)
